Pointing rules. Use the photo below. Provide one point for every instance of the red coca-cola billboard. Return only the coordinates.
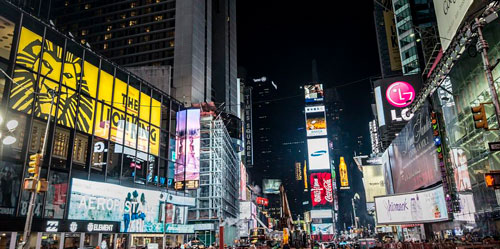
(321, 189)
(262, 201)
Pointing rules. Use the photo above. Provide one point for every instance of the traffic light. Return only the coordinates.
(34, 165)
(492, 179)
(479, 115)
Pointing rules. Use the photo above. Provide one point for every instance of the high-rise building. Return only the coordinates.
(196, 38)
(263, 90)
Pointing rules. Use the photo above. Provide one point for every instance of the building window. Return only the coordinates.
(108, 36)
(61, 143)
(109, 28)
(87, 6)
(80, 149)
(132, 23)
(37, 136)
(84, 32)
(130, 41)
(132, 5)
(133, 13)
(158, 18)
(56, 195)
(105, 46)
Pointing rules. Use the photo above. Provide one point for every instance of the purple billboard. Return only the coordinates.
(414, 164)
(187, 149)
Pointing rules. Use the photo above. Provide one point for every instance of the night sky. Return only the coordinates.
(279, 39)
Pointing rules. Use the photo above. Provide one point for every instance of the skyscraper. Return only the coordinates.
(196, 38)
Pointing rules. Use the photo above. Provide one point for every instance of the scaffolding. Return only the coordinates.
(219, 174)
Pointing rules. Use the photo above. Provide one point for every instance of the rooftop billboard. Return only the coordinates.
(314, 93)
(319, 158)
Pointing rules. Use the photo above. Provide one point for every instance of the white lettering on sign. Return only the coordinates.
(93, 227)
(404, 116)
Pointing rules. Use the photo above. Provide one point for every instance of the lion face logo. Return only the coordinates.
(40, 66)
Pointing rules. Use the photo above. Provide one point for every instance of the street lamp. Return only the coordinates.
(11, 126)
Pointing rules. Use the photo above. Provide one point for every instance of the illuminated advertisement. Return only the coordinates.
(315, 121)
(467, 209)
(416, 207)
(187, 149)
(298, 171)
(460, 172)
(134, 120)
(414, 163)
(324, 228)
(321, 189)
(137, 210)
(271, 186)
(393, 97)
(386, 164)
(344, 178)
(319, 158)
(262, 201)
(373, 180)
(314, 93)
(243, 182)
(321, 214)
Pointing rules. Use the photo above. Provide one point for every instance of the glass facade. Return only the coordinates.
(468, 145)
(107, 125)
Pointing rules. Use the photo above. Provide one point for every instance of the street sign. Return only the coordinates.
(494, 146)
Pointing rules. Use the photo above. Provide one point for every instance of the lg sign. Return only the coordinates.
(400, 94)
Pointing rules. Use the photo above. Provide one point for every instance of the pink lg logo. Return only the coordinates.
(400, 94)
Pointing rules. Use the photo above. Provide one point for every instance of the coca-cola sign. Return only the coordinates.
(321, 189)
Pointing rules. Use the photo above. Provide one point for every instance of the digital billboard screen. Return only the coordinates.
(415, 164)
(373, 180)
(109, 202)
(315, 121)
(321, 189)
(461, 174)
(323, 228)
(319, 158)
(187, 149)
(271, 186)
(314, 93)
(416, 207)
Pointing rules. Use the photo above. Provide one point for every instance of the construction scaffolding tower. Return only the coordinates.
(219, 174)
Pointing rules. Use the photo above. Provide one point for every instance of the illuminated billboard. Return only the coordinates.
(373, 180)
(271, 186)
(314, 93)
(319, 158)
(90, 99)
(414, 163)
(109, 202)
(243, 182)
(324, 228)
(187, 173)
(344, 177)
(315, 121)
(417, 207)
(321, 189)
(321, 213)
(460, 172)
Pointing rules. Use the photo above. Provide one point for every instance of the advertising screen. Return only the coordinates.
(81, 83)
(460, 172)
(315, 121)
(138, 210)
(321, 214)
(414, 164)
(187, 149)
(243, 182)
(321, 189)
(373, 180)
(271, 186)
(417, 207)
(393, 97)
(319, 158)
(314, 93)
(324, 228)
(467, 208)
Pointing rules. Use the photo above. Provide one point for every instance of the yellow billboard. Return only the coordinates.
(116, 113)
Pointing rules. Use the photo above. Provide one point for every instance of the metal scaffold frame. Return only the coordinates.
(219, 166)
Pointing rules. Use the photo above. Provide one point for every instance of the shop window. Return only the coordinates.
(115, 161)
(10, 182)
(135, 166)
(170, 174)
(37, 136)
(14, 150)
(99, 159)
(152, 170)
(80, 148)
(61, 143)
(56, 195)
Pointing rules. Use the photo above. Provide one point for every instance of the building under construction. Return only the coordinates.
(219, 178)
